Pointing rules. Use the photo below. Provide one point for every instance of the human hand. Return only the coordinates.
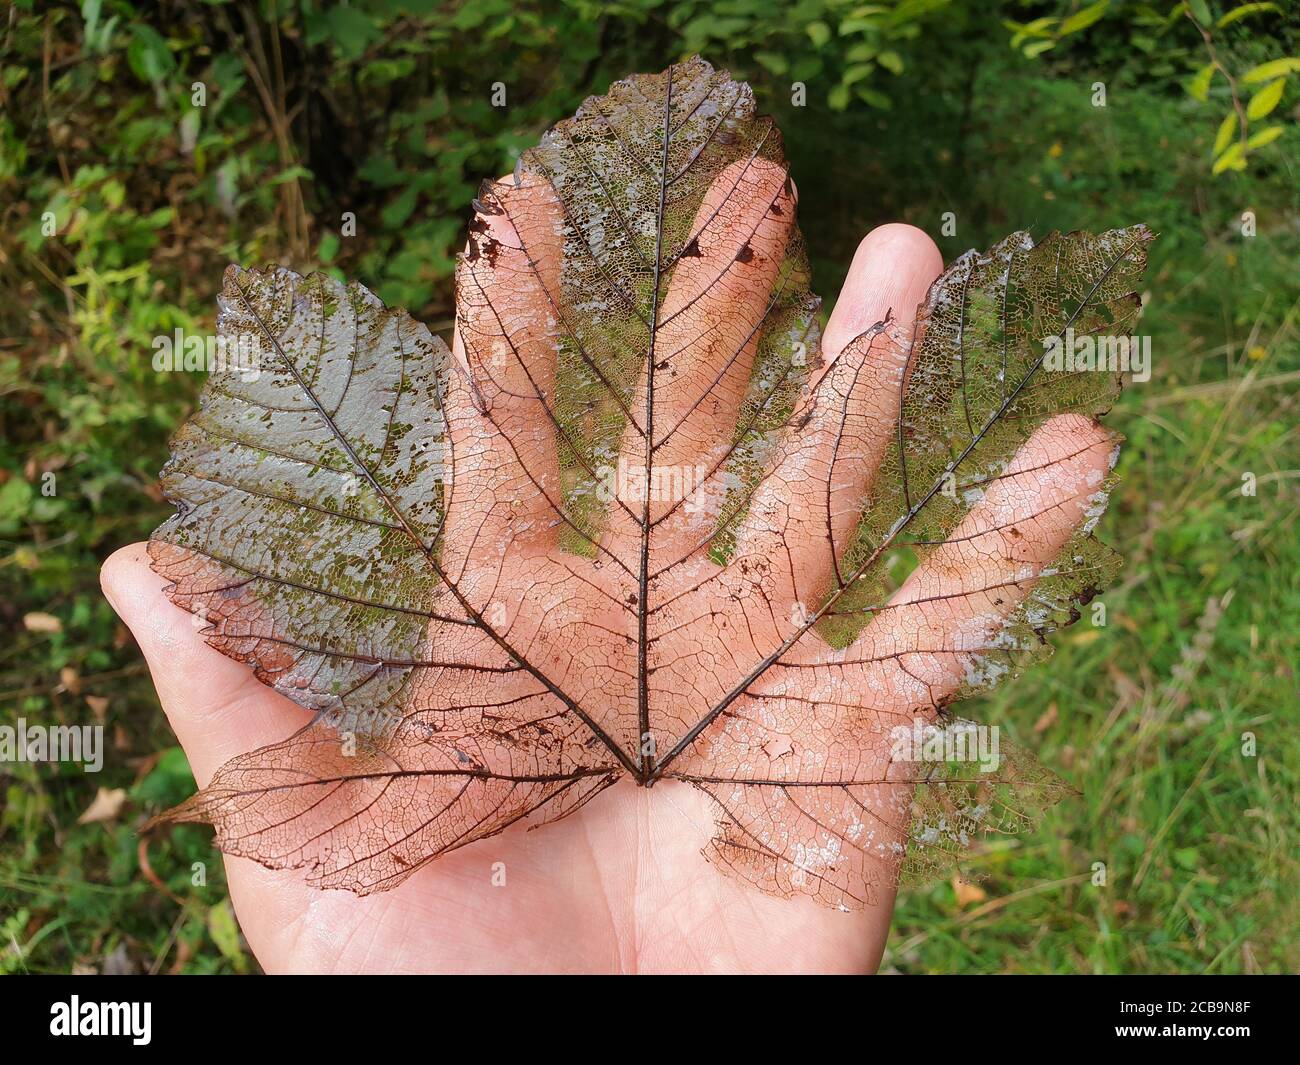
(620, 884)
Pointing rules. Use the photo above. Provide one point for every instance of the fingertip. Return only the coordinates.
(748, 188)
(135, 591)
(116, 571)
(911, 246)
(131, 586)
(1075, 442)
(215, 705)
(891, 273)
(170, 637)
(1077, 427)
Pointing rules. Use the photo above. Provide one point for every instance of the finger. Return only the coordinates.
(804, 513)
(955, 603)
(709, 328)
(505, 478)
(216, 706)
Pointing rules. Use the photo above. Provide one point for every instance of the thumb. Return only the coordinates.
(216, 706)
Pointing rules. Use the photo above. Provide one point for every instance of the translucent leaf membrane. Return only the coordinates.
(311, 493)
(366, 819)
(780, 374)
(954, 809)
(632, 171)
(851, 843)
(633, 524)
(974, 392)
(283, 542)
(975, 389)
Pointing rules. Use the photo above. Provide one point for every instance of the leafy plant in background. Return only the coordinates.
(845, 45)
(1264, 82)
(1237, 137)
(1042, 34)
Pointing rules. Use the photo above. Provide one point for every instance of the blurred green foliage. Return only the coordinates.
(144, 146)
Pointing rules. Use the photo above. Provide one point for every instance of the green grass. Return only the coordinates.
(1144, 716)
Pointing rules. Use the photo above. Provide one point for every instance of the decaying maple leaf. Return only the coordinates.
(635, 524)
